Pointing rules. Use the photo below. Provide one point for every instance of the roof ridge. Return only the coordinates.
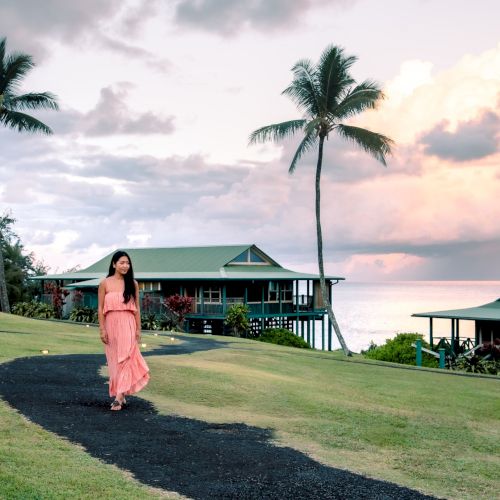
(192, 246)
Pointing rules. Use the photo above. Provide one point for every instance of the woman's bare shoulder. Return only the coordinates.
(103, 283)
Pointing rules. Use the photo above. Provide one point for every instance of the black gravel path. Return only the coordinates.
(201, 460)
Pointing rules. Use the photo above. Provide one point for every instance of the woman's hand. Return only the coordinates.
(104, 337)
(138, 335)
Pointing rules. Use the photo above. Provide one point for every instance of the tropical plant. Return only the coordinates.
(19, 266)
(83, 314)
(33, 309)
(179, 305)
(149, 322)
(282, 336)
(237, 319)
(327, 95)
(13, 68)
(58, 296)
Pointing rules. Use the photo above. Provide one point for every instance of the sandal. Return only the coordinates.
(116, 405)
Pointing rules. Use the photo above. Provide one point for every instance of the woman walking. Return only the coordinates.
(120, 327)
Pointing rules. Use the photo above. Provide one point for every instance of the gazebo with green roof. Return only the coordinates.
(217, 277)
(486, 318)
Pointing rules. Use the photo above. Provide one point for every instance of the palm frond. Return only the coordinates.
(42, 100)
(333, 74)
(276, 131)
(377, 145)
(3, 43)
(307, 143)
(23, 122)
(304, 88)
(364, 96)
(16, 66)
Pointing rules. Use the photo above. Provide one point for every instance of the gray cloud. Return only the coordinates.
(31, 25)
(346, 163)
(472, 140)
(111, 116)
(228, 17)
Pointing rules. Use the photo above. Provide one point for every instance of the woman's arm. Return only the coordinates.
(137, 313)
(100, 311)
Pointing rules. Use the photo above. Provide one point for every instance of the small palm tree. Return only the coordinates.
(327, 95)
(13, 68)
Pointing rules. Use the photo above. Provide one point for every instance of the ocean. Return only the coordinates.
(379, 310)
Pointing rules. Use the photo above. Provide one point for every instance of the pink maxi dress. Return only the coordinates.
(128, 372)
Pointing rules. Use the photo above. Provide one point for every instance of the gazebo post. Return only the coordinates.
(431, 333)
(453, 335)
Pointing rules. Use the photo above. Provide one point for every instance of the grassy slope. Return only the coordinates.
(437, 433)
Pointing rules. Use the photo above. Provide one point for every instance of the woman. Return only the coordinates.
(120, 327)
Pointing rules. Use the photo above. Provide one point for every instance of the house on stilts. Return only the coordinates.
(216, 277)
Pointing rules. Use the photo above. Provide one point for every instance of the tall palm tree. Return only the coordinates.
(13, 68)
(327, 95)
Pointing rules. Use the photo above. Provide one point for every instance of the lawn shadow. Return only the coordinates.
(201, 460)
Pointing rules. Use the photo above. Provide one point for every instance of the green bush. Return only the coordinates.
(149, 322)
(237, 319)
(37, 310)
(282, 336)
(83, 315)
(400, 350)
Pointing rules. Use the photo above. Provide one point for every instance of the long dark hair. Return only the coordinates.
(129, 277)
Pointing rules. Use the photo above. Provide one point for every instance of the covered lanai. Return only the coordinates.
(486, 318)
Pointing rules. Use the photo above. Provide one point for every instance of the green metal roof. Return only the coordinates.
(488, 312)
(191, 259)
(188, 263)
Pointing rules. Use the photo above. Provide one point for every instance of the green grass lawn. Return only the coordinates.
(435, 432)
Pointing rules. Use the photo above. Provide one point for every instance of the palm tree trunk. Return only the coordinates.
(4, 298)
(324, 292)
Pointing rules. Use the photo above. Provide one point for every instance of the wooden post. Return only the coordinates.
(202, 300)
(308, 340)
(224, 304)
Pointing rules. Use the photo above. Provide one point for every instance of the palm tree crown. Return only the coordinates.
(327, 95)
(13, 68)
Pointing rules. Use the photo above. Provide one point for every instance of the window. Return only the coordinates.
(212, 295)
(272, 294)
(276, 289)
(149, 286)
(250, 257)
(287, 292)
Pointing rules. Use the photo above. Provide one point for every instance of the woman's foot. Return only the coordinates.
(116, 405)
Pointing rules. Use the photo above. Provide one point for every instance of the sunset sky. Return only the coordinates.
(158, 98)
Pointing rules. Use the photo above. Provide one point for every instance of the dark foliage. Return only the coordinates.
(282, 336)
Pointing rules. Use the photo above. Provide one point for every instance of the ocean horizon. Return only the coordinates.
(376, 311)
